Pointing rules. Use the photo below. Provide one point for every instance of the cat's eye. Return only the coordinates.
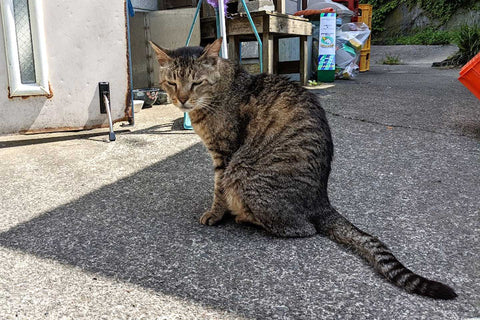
(171, 83)
(197, 83)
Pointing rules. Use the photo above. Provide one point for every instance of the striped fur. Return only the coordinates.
(271, 148)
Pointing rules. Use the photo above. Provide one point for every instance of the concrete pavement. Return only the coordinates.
(97, 230)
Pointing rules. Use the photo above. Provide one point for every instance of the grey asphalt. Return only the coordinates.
(98, 230)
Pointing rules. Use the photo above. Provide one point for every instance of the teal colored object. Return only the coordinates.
(187, 123)
(325, 75)
(326, 68)
(326, 49)
(199, 5)
(347, 47)
(326, 62)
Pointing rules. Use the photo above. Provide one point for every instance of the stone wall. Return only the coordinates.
(405, 20)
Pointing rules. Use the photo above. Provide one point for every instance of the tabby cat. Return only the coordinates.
(271, 148)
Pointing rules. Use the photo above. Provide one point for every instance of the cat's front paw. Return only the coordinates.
(211, 217)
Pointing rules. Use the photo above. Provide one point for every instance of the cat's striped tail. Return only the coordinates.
(339, 229)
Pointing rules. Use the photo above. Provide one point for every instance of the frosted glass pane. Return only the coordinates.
(24, 41)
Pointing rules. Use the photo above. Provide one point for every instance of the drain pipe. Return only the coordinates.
(130, 68)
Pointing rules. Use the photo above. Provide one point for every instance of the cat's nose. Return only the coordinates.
(182, 99)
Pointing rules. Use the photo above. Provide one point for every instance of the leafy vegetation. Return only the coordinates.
(468, 41)
(391, 60)
(467, 37)
(441, 10)
(381, 9)
(428, 36)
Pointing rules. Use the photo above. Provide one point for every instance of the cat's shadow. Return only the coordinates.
(144, 229)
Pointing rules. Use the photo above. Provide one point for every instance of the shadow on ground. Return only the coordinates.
(144, 229)
(176, 127)
(65, 137)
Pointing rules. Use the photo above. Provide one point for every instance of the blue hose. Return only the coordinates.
(199, 5)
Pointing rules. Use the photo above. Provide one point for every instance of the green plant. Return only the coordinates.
(427, 36)
(441, 10)
(391, 60)
(380, 10)
(468, 42)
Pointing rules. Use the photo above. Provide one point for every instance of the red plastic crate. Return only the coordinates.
(470, 75)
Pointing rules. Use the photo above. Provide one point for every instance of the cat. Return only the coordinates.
(272, 150)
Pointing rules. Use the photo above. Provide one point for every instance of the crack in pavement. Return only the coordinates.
(396, 125)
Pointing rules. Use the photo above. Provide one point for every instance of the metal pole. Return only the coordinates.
(111, 134)
(223, 31)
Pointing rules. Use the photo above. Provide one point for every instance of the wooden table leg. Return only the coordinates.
(303, 60)
(275, 54)
(267, 40)
(234, 48)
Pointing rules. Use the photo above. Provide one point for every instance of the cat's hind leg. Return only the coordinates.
(273, 218)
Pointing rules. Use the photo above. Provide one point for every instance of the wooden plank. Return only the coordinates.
(242, 25)
(173, 4)
(267, 43)
(304, 4)
(208, 29)
(303, 60)
(289, 26)
(275, 54)
(270, 13)
(279, 6)
(239, 25)
(207, 10)
(233, 48)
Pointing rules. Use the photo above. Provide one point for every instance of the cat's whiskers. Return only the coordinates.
(205, 103)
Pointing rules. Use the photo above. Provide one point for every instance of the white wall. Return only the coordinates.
(86, 44)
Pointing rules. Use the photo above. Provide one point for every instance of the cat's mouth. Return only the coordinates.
(185, 107)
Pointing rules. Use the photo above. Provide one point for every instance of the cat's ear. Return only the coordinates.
(212, 49)
(162, 55)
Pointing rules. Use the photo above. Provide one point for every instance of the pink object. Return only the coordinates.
(214, 3)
